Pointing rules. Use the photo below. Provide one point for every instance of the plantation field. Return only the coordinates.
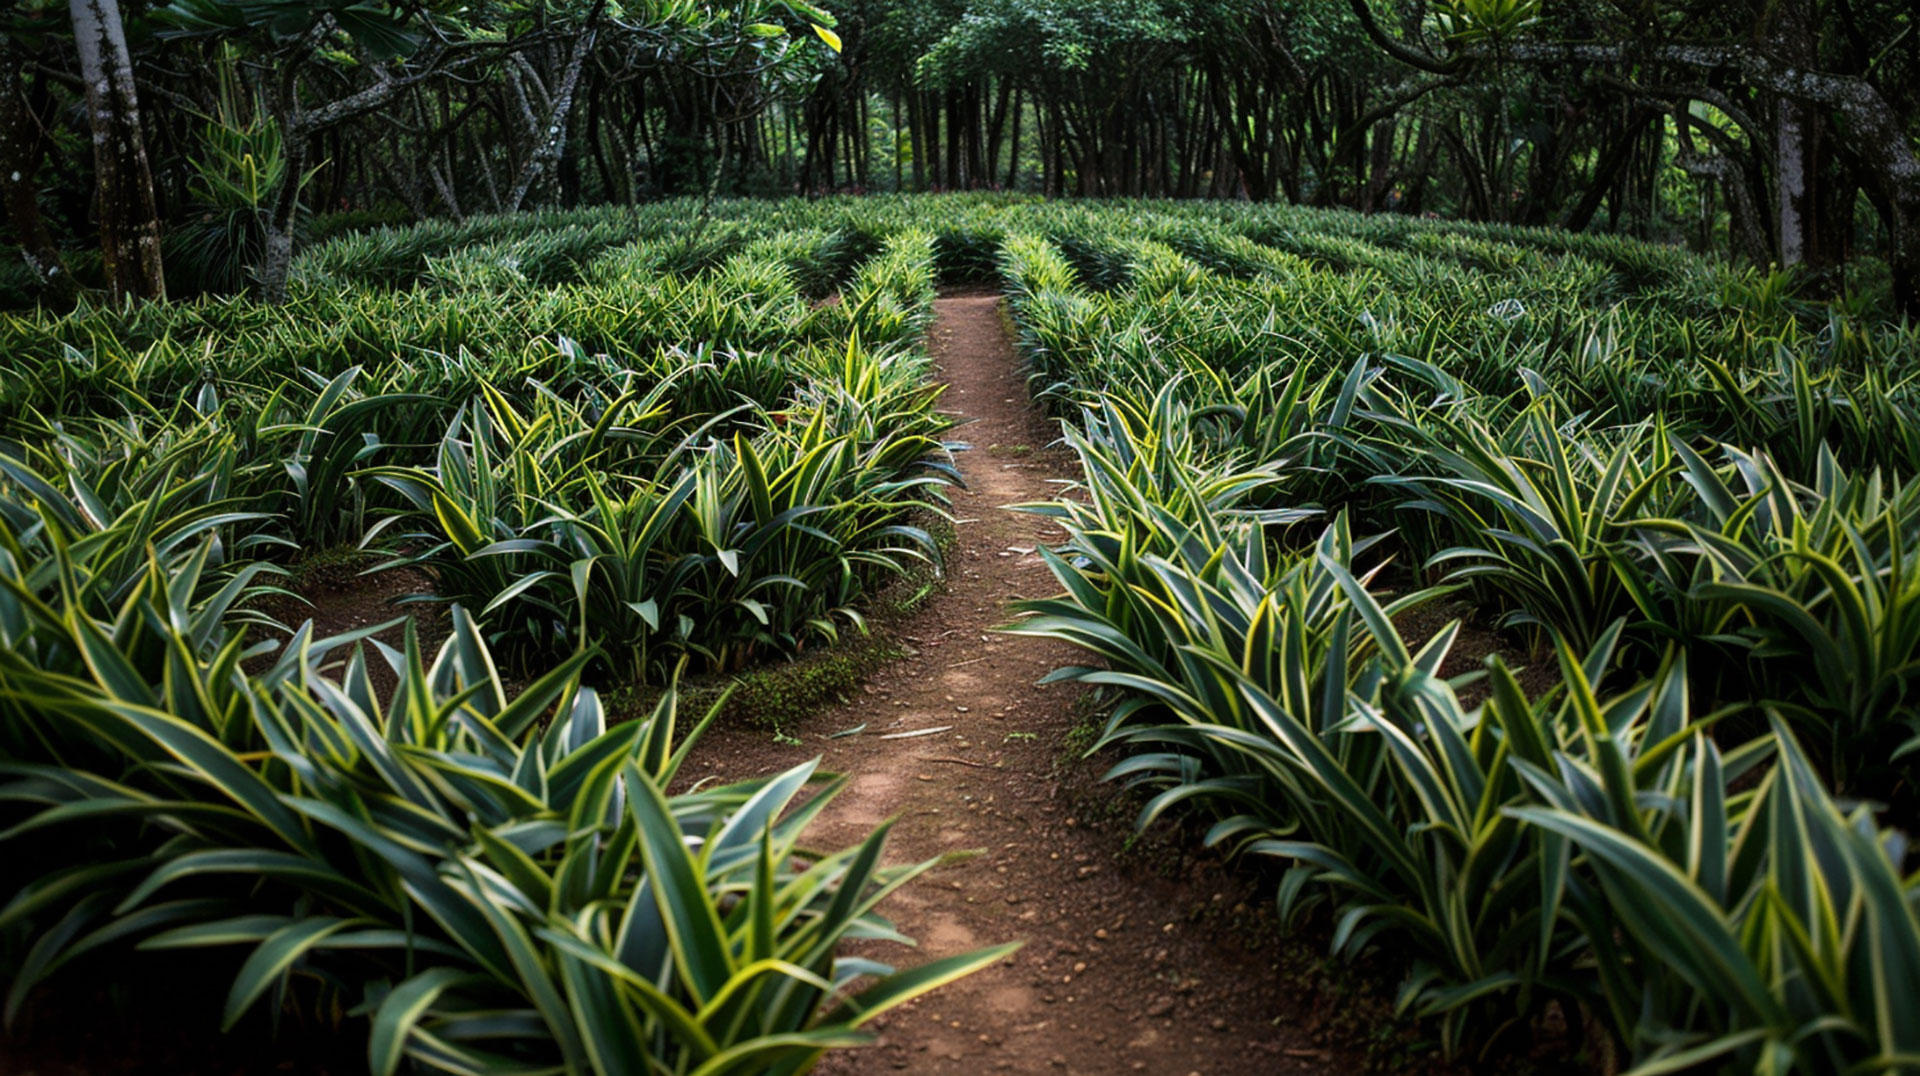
(1539, 610)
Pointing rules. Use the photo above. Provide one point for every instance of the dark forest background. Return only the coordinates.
(153, 150)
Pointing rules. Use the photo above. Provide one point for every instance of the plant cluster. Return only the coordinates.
(677, 453)
(500, 882)
(700, 434)
(484, 866)
(1695, 507)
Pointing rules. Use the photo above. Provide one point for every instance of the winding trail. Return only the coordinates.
(1123, 969)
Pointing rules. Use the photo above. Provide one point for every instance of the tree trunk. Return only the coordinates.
(550, 141)
(916, 120)
(979, 168)
(1013, 149)
(1608, 170)
(996, 132)
(1421, 172)
(1380, 171)
(1252, 178)
(1790, 181)
(129, 218)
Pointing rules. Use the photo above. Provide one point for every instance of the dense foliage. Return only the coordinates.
(696, 435)
(481, 862)
(1695, 503)
(1769, 133)
(676, 452)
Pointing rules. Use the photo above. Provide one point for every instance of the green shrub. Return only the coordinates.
(499, 882)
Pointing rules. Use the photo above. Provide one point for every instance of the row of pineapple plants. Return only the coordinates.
(1714, 554)
(400, 256)
(728, 501)
(1562, 519)
(522, 407)
(625, 282)
(637, 304)
(497, 880)
(483, 868)
(1157, 311)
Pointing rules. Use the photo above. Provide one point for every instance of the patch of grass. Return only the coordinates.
(1089, 721)
(776, 696)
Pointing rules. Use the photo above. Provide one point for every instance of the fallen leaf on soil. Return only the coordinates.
(916, 732)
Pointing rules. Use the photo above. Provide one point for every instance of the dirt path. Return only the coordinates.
(1123, 969)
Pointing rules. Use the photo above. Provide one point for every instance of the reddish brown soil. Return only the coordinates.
(1122, 969)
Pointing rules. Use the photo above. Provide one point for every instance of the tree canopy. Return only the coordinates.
(1778, 134)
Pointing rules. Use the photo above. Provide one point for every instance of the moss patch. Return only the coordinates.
(774, 696)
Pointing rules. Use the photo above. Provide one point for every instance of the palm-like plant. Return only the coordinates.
(81, 519)
(1273, 692)
(1765, 929)
(1538, 522)
(505, 878)
(1276, 694)
(728, 550)
(1816, 584)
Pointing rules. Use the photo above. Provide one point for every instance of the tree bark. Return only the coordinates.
(1790, 181)
(550, 140)
(1013, 149)
(916, 121)
(1380, 172)
(129, 218)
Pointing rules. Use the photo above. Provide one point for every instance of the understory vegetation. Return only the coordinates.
(623, 444)
(611, 482)
(1693, 505)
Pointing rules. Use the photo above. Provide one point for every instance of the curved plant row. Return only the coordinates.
(500, 881)
(1725, 593)
(724, 502)
(700, 434)
(497, 881)
(1782, 564)
(1595, 845)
